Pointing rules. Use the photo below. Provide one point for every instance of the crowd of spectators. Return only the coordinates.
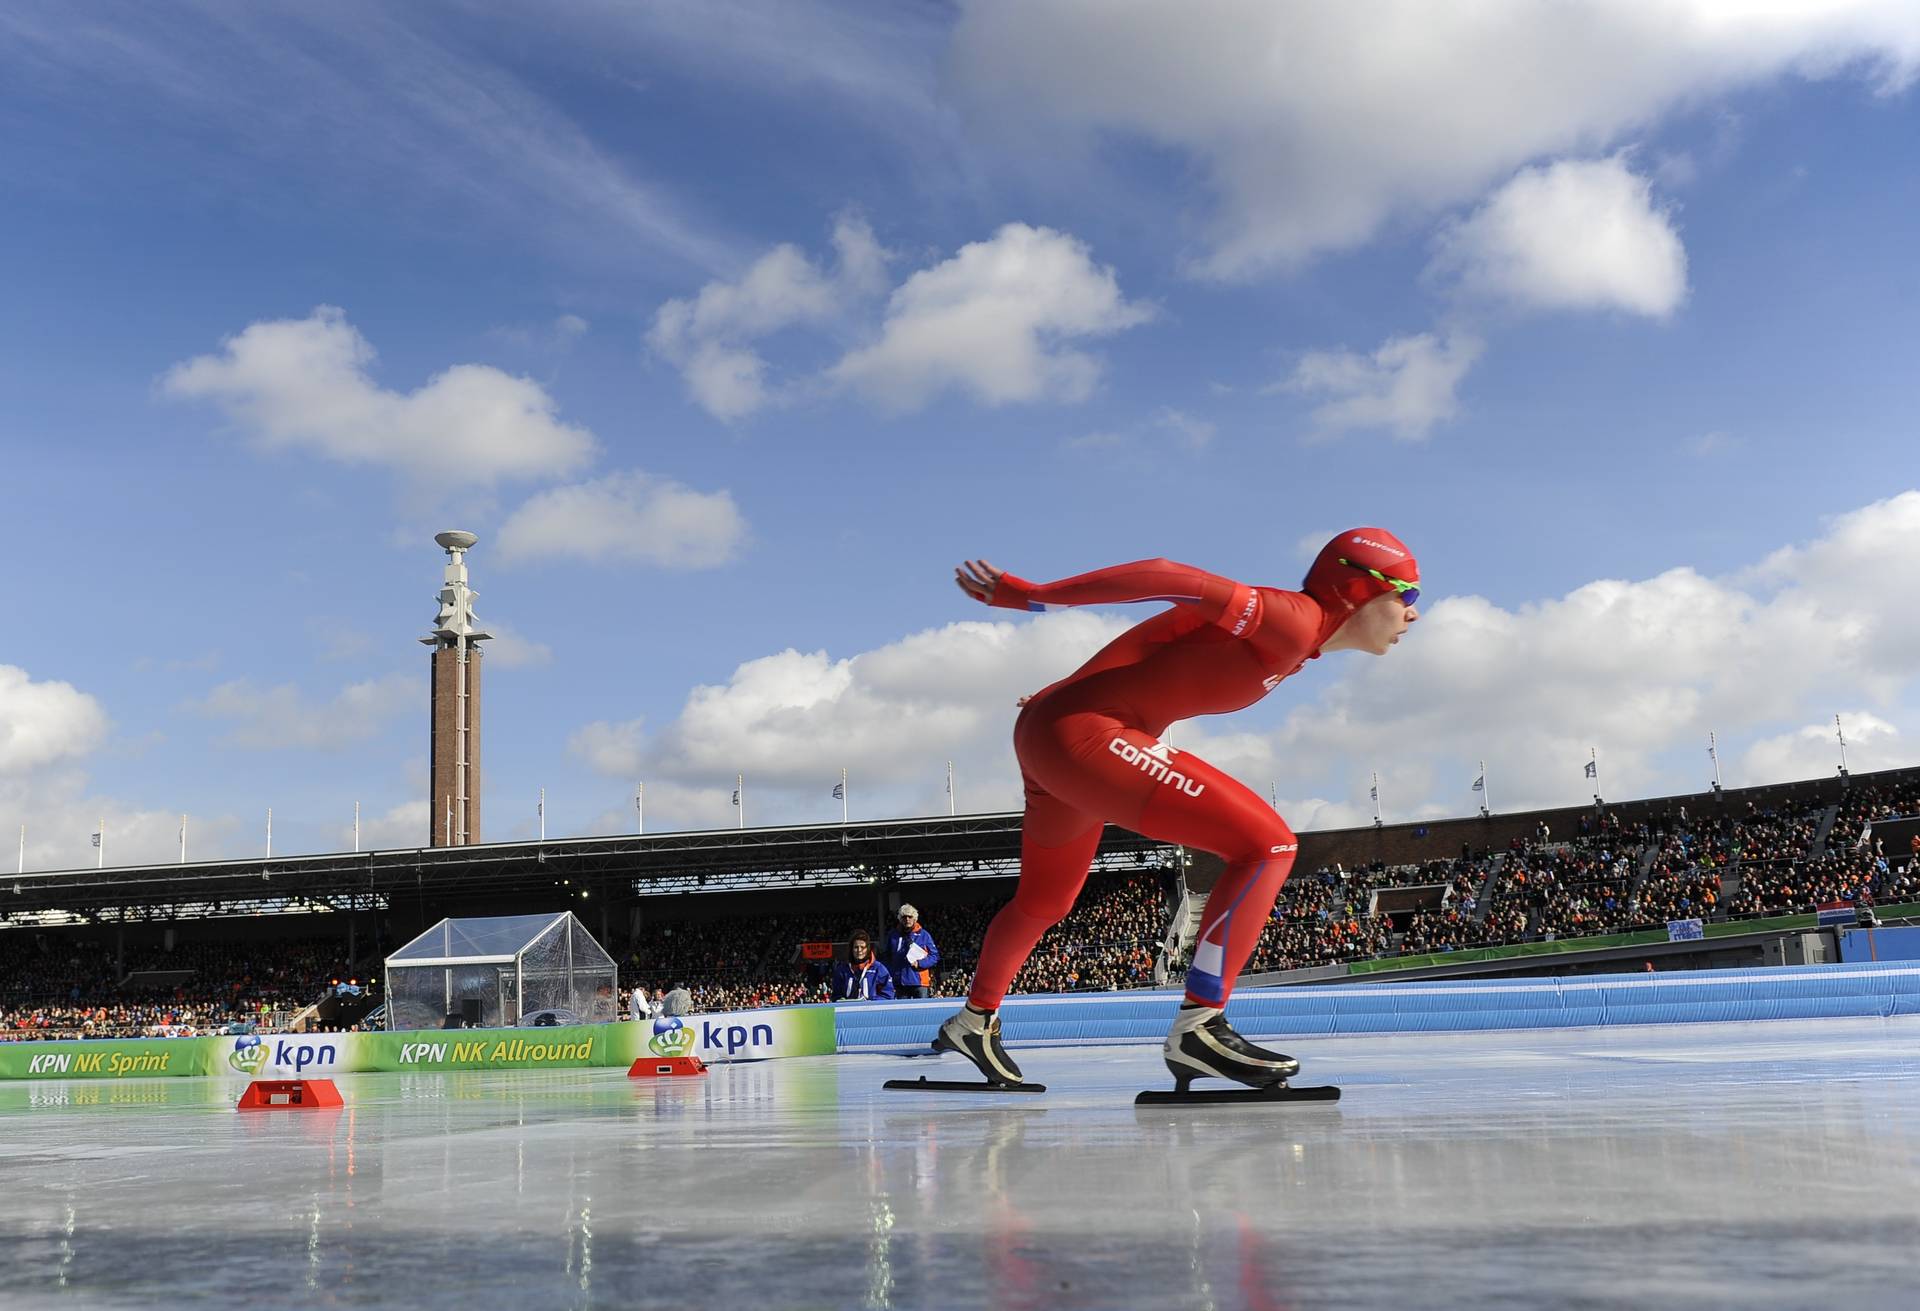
(56, 986)
(1110, 940)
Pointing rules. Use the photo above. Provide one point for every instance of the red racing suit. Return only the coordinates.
(1090, 752)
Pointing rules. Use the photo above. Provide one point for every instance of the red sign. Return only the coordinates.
(816, 951)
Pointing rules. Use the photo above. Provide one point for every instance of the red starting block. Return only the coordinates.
(666, 1067)
(290, 1095)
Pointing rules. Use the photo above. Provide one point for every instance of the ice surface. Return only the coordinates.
(1767, 1164)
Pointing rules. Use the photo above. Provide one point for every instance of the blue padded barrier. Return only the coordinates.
(1898, 943)
(1433, 1006)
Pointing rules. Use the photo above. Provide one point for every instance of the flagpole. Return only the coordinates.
(100, 862)
(740, 796)
(269, 832)
(356, 826)
(1841, 733)
(23, 850)
(640, 804)
(1713, 752)
(1486, 793)
(543, 814)
(843, 796)
(950, 802)
(183, 839)
(1376, 798)
(1273, 795)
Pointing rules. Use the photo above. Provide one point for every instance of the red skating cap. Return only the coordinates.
(1342, 589)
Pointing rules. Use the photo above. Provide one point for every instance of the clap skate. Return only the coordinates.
(1202, 1045)
(976, 1037)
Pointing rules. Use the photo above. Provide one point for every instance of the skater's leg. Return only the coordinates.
(1056, 850)
(1237, 910)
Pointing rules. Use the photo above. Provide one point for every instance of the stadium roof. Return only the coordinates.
(716, 860)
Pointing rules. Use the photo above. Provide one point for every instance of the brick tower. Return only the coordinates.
(454, 791)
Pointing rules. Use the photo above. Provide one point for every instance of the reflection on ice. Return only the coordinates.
(1693, 1164)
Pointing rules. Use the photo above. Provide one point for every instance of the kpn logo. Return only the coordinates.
(248, 1051)
(671, 1037)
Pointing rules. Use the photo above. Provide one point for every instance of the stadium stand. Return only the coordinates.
(1558, 875)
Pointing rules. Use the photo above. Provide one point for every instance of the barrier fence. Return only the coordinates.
(731, 1036)
(1863, 988)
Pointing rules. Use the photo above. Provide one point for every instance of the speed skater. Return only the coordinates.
(1090, 752)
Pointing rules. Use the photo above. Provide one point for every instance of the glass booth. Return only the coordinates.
(501, 971)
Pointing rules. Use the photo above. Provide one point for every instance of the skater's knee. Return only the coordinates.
(1272, 842)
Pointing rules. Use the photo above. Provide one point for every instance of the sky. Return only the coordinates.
(730, 328)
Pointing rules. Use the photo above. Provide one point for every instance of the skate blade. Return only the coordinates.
(924, 1084)
(1279, 1092)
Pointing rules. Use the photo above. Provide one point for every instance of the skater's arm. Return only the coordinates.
(1233, 606)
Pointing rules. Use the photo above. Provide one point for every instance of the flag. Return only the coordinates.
(96, 839)
(1374, 792)
(839, 791)
(1480, 784)
(736, 796)
(1593, 769)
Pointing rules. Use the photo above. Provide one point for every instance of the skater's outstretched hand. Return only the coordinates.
(978, 578)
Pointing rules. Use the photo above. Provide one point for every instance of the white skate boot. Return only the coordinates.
(977, 1037)
(1203, 1045)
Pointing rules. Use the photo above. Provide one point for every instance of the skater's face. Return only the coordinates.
(1376, 626)
(860, 949)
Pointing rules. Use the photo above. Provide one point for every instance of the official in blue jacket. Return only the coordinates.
(910, 954)
(861, 977)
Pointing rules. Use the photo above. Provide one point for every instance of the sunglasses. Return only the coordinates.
(1409, 592)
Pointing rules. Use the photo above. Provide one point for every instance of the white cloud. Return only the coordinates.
(1406, 386)
(1710, 444)
(47, 730)
(284, 717)
(1194, 431)
(512, 649)
(994, 322)
(710, 336)
(1813, 751)
(610, 748)
(1315, 125)
(626, 516)
(1640, 670)
(1188, 431)
(553, 338)
(401, 826)
(61, 814)
(1573, 235)
(45, 723)
(1841, 582)
(892, 716)
(303, 384)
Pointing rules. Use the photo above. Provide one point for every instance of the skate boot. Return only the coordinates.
(1202, 1044)
(977, 1037)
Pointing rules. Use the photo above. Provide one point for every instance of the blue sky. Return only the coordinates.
(730, 328)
